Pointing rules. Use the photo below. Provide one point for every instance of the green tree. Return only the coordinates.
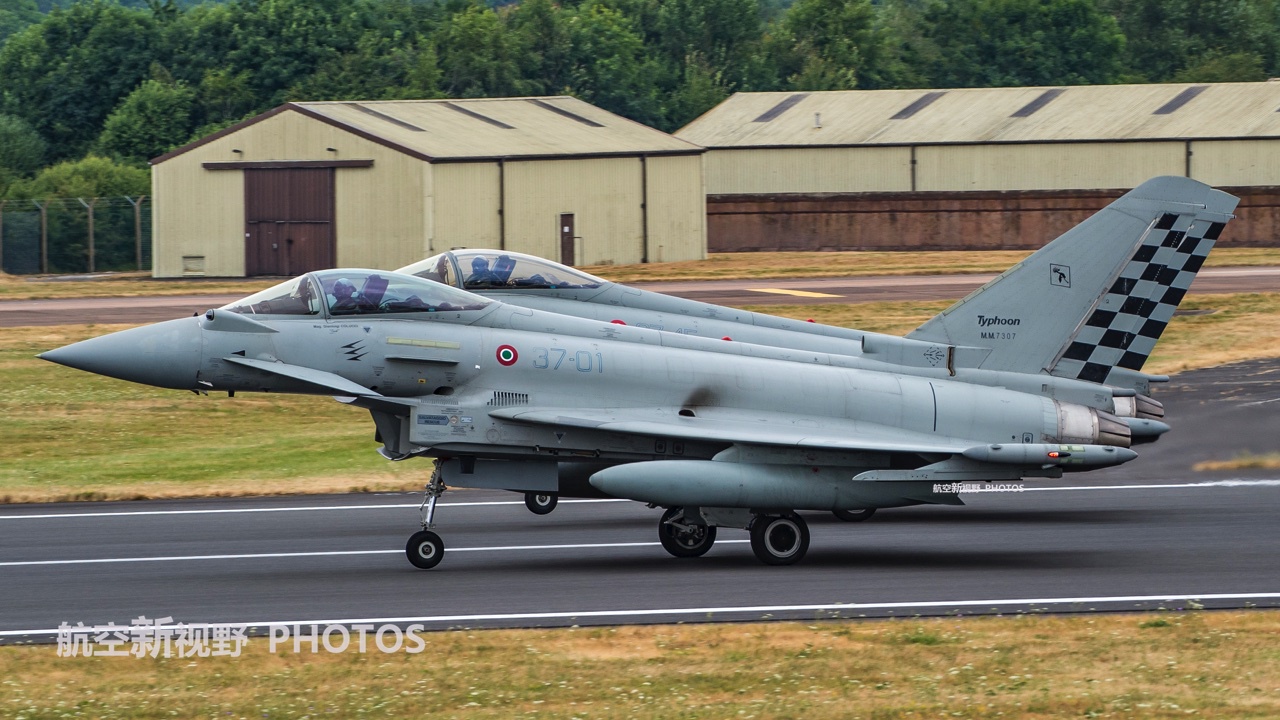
(1217, 66)
(542, 37)
(993, 43)
(65, 74)
(824, 44)
(611, 66)
(150, 121)
(380, 67)
(1202, 39)
(91, 176)
(16, 15)
(21, 147)
(478, 57)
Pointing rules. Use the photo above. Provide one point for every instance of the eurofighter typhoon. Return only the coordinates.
(1035, 374)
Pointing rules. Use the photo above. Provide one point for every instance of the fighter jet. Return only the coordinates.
(1036, 374)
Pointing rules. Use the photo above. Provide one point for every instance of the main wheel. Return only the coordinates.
(779, 540)
(540, 503)
(685, 540)
(854, 515)
(425, 549)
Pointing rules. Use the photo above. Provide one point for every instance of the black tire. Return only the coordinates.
(540, 503)
(425, 549)
(779, 540)
(684, 544)
(854, 515)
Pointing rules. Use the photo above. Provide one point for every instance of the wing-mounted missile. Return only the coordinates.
(1050, 455)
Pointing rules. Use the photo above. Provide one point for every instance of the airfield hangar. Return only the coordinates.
(975, 168)
(312, 185)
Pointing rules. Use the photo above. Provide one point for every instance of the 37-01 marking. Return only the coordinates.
(552, 358)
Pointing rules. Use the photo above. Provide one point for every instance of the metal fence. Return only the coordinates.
(75, 235)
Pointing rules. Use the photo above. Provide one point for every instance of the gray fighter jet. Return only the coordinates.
(1036, 374)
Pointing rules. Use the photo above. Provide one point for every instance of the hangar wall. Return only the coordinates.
(1009, 196)
(386, 183)
(200, 213)
(516, 205)
(677, 205)
(1013, 220)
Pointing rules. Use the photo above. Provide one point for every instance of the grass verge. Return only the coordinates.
(1165, 665)
(717, 266)
(1248, 461)
(70, 435)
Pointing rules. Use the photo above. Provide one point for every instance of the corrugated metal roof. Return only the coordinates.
(992, 115)
(498, 127)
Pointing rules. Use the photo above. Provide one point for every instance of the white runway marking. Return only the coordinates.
(328, 553)
(1206, 484)
(299, 508)
(763, 610)
(305, 508)
(797, 293)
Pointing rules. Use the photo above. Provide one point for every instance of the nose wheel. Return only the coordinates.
(425, 549)
(779, 539)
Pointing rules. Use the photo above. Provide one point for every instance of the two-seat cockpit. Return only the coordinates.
(349, 291)
(485, 270)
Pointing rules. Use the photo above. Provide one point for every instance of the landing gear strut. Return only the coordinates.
(681, 537)
(540, 503)
(425, 549)
(779, 539)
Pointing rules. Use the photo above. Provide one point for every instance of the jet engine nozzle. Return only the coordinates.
(1139, 406)
(1080, 424)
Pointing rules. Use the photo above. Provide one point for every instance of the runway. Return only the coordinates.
(1149, 534)
(18, 313)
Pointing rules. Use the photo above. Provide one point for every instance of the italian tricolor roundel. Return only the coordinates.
(507, 355)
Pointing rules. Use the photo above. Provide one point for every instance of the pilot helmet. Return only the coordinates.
(479, 264)
(343, 288)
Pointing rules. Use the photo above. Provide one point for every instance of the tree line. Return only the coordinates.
(91, 90)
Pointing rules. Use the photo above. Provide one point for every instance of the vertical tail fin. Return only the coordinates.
(1098, 297)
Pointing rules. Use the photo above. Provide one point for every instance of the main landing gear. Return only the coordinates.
(540, 503)
(425, 548)
(776, 539)
(685, 538)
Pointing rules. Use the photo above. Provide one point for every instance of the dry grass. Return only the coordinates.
(722, 266)
(1165, 665)
(1239, 327)
(733, 266)
(1248, 461)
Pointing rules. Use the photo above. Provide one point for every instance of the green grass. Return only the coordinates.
(73, 435)
(1171, 665)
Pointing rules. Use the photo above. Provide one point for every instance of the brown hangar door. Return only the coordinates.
(568, 256)
(288, 221)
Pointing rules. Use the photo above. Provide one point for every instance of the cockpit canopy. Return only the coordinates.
(350, 291)
(480, 270)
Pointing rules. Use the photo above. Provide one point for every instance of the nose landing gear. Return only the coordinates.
(425, 549)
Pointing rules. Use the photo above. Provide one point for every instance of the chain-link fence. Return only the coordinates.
(75, 235)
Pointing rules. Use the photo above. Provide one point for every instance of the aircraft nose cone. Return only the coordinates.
(165, 355)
